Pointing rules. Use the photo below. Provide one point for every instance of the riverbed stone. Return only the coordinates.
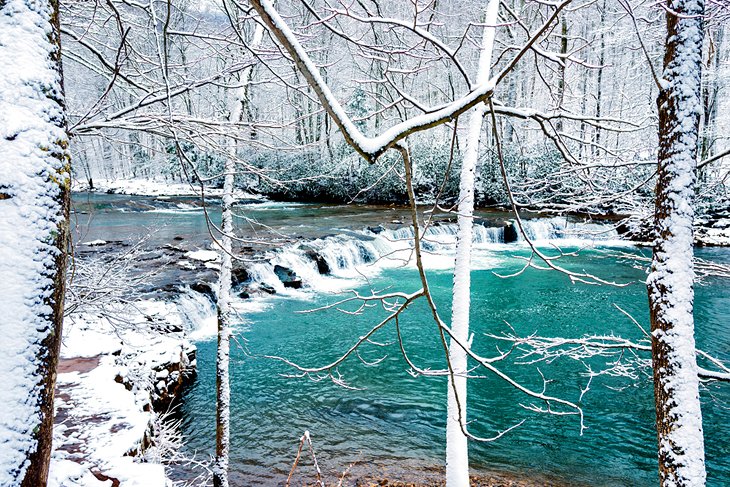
(204, 288)
(322, 266)
(239, 275)
(511, 233)
(287, 277)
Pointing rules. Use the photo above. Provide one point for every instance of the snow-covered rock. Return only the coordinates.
(718, 237)
(204, 255)
(113, 377)
(94, 243)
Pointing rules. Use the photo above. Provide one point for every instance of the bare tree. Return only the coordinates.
(241, 102)
(223, 389)
(34, 202)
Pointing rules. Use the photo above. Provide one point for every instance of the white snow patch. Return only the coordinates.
(95, 243)
(103, 420)
(157, 187)
(714, 236)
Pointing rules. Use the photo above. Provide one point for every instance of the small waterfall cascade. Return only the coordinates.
(198, 313)
(352, 254)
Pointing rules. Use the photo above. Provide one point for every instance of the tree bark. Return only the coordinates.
(670, 284)
(710, 98)
(599, 79)
(34, 208)
(561, 70)
(222, 380)
(457, 450)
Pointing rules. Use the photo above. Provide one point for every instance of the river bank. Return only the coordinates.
(126, 357)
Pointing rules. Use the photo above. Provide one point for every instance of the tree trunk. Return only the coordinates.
(670, 284)
(599, 80)
(223, 389)
(584, 92)
(457, 451)
(561, 70)
(710, 96)
(34, 204)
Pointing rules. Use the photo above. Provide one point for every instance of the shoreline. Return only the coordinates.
(122, 369)
(710, 230)
(113, 389)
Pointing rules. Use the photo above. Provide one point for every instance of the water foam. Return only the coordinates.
(353, 256)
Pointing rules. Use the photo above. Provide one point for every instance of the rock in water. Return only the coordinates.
(205, 289)
(266, 288)
(287, 277)
(239, 275)
(511, 234)
(322, 266)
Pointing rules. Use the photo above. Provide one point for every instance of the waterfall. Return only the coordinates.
(329, 262)
(197, 312)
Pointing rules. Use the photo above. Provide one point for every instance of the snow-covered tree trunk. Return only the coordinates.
(223, 389)
(457, 450)
(34, 202)
(671, 293)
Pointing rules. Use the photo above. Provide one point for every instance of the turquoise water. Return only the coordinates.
(396, 422)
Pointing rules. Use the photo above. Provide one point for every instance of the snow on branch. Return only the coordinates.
(623, 357)
(371, 148)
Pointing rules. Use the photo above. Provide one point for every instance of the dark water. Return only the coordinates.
(159, 219)
(397, 422)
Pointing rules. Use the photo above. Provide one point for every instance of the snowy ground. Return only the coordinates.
(716, 234)
(153, 187)
(108, 379)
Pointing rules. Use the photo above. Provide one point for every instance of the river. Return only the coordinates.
(391, 423)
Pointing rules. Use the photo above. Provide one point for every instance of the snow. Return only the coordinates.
(204, 255)
(94, 243)
(681, 444)
(156, 187)
(30, 176)
(96, 406)
(67, 473)
(714, 236)
(103, 420)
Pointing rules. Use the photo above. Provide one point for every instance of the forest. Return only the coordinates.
(364, 242)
